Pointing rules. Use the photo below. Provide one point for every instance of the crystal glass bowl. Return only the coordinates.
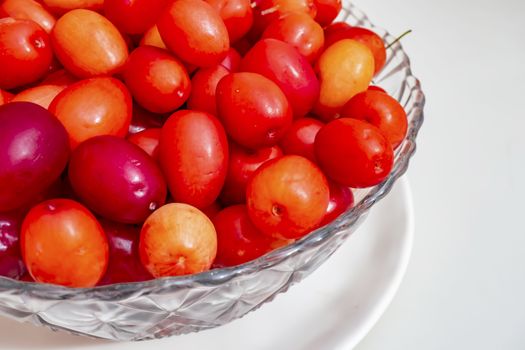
(178, 305)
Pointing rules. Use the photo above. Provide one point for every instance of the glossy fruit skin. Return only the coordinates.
(237, 16)
(33, 153)
(93, 107)
(241, 167)
(341, 199)
(365, 36)
(152, 38)
(62, 6)
(177, 239)
(157, 80)
(132, 185)
(299, 30)
(345, 58)
(30, 10)
(148, 140)
(300, 138)
(281, 63)
(42, 95)
(124, 264)
(26, 52)
(253, 109)
(327, 11)
(195, 32)
(62, 243)
(204, 86)
(287, 197)
(353, 153)
(238, 240)
(267, 11)
(87, 44)
(194, 157)
(11, 262)
(380, 110)
(133, 17)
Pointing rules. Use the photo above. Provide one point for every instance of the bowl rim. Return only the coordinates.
(313, 239)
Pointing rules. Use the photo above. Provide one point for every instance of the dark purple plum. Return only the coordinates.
(124, 262)
(117, 179)
(34, 150)
(11, 262)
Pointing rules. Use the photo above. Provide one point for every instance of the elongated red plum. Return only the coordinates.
(117, 179)
(253, 109)
(193, 153)
(34, 150)
(284, 65)
(195, 32)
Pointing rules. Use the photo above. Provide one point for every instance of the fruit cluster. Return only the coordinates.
(152, 138)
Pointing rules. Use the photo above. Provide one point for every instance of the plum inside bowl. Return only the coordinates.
(178, 305)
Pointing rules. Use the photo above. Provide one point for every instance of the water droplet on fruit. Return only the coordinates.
(237, 91)
(153, 206)
(51, 207)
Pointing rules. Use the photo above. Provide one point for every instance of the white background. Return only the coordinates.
(465, 285)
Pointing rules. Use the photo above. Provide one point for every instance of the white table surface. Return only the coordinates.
(465, 285)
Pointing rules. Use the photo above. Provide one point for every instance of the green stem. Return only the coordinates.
(399, 38)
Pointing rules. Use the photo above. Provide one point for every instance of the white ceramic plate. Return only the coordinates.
(334, 308)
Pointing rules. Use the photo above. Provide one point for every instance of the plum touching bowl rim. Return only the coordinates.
(223, 275)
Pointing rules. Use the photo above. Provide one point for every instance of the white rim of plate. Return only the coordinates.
(357, 335)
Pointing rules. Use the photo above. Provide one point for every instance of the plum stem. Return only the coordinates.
(398, 39)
